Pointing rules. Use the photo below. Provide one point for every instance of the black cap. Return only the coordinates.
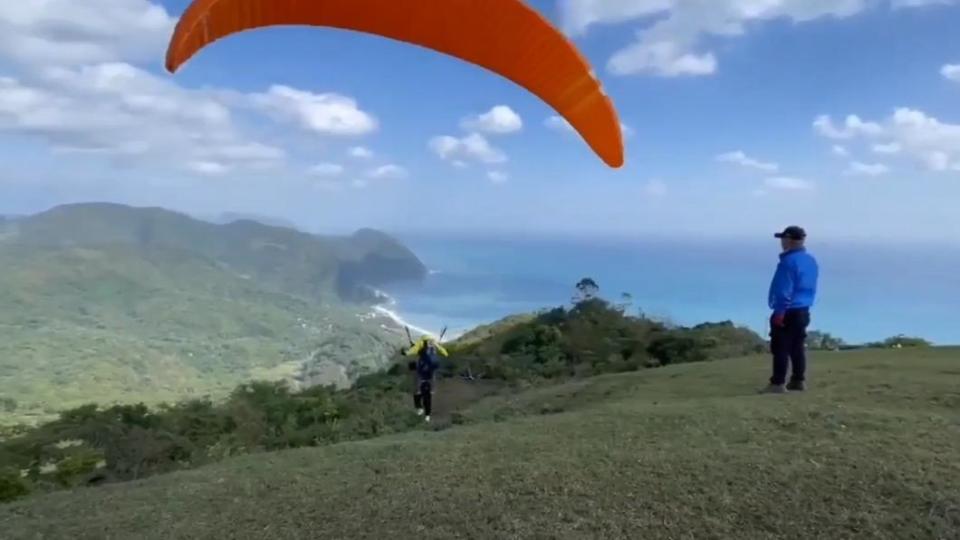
(792, 232)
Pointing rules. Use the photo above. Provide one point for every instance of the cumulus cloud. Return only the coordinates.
(387, 172)
(889, 148)
(70, 33)
(673, 35)
(473, 147)
(361, 152)
(840, 150)
(73, 82)
(117, 109)
(920, 3)
(662, 58)
(655, 188)
(559, 123)
(578, 15)
(327, 169)
(909, 132)
(328, 114)
(501, 119)
(951, 72)
(788, 183)
(740, 158)
(852, 127)
(857, 168)
(498, 177)
(211, 168)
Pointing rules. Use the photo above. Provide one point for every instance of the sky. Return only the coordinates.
(740, 117)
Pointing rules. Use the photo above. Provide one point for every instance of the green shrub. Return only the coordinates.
(12, 487)
(135, 441)
(75, 468)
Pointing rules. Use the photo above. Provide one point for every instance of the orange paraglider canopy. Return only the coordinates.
(505, 36)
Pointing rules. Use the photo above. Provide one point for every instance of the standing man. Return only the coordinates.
(792, 294)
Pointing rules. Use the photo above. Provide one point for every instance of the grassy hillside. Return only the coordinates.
(106, 302)
(690, 451)
(129, 442)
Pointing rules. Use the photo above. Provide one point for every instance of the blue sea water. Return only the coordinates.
(866, 292)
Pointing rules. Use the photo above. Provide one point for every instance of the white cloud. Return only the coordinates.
(663, 58)
(361, 152)
(740, 158)
(359, 183)
(498, 177)
(501, 119)
(387, 172)
(248, 152)
(327, 169)
(920, 3)
(560, 123)
(211, 168)
(70, 32)
(889, 148)
(853, 127)
(673, 37)
(578, 15)
(788, 183)
(951, 72)
(121, 111)
(839, 150)
(73, 83)
(473, 147)
(655, 188)
(912, 133)
(328, 114)
(867, 169)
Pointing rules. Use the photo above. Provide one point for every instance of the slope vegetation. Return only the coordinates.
(107, 302)
(688, 451)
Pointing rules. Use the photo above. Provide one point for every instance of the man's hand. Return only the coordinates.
(779, 320)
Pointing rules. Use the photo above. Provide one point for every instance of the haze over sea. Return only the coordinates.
(867, 292)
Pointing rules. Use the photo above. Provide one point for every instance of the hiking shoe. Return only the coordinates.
(797, 386)
(419, 412)
(774, 389)
(426, 419)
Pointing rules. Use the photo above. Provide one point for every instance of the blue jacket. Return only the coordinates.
(794, 284)
(427, 364)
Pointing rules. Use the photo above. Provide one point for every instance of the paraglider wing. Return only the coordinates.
(504, 36)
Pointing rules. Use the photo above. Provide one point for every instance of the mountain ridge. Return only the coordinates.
(112, 301)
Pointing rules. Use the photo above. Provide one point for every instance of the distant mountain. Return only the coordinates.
(280, 258)
(230, 217)
(115, 302)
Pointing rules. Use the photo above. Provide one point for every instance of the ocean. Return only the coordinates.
(866, 292)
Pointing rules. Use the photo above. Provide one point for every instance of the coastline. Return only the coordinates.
(401, 323)
(387, 309)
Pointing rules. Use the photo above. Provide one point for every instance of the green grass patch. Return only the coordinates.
(691, 451)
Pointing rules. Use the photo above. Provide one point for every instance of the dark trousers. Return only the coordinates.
(787, 343)
(423, 399)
